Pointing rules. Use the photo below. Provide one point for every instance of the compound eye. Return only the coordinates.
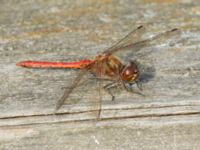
(130, 73)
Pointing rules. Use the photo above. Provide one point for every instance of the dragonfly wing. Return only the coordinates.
(83, 95)
(132, 37)
(135, 40)
(70, 89)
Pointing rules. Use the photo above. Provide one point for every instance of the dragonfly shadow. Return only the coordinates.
(147, 73)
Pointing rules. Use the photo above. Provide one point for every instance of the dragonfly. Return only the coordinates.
(108, 65)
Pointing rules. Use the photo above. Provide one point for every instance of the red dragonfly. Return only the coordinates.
(107, 65)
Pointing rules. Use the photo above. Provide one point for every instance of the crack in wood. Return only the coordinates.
(153, 115)
(89, 111)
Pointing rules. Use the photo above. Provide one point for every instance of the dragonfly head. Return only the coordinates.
(130, 73)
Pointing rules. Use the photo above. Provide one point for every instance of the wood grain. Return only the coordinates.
(167, 117)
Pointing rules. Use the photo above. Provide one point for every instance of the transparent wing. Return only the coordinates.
(70, 89)
(132, 37)
(82, 95)
(100, 87)
(135, 40)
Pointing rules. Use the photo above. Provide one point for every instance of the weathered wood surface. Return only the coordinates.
(168, 117)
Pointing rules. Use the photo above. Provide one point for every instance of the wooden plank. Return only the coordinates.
(166, 117)
(34, 90)
(170, 132)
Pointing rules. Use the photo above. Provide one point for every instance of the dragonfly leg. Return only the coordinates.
(129, 88)
(139, 85)
(108, 88)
